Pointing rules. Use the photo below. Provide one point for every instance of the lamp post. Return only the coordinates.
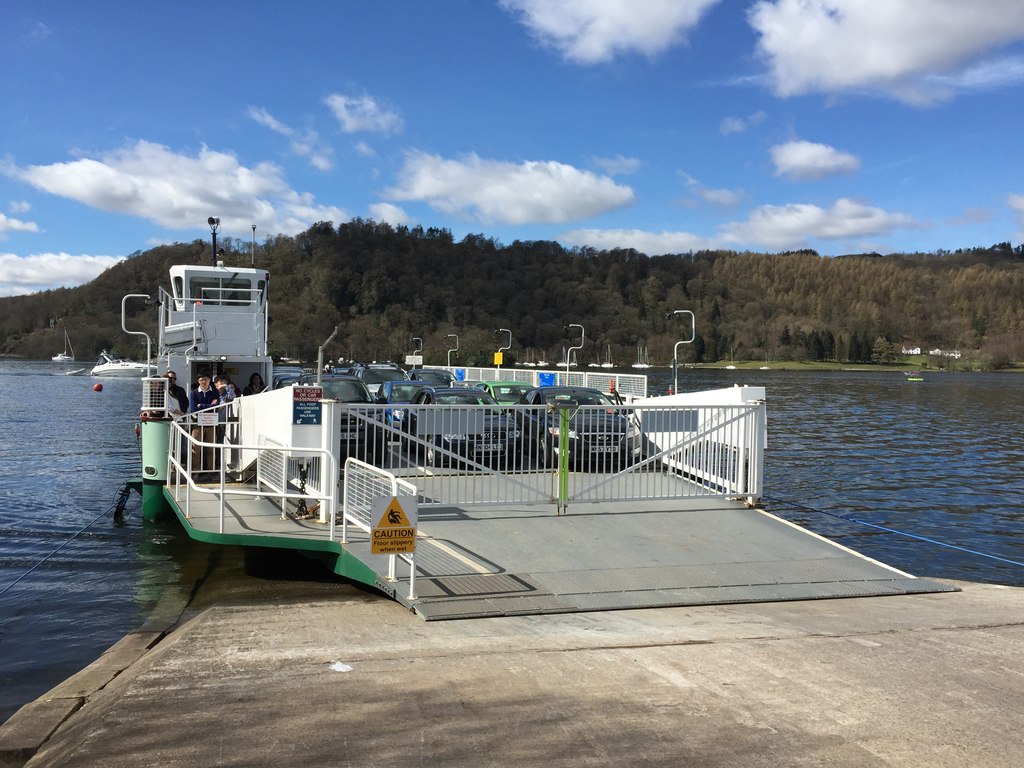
(252, 248)
(417, 351)
(568, 354)
(675, 350)
(214, 223)
(453, 349)
(509, 346)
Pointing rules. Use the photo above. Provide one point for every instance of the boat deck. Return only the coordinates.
(516, 560)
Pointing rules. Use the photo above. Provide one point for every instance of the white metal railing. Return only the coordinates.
(363, 485)
(240, 316)
(516, 454)
(276, 483)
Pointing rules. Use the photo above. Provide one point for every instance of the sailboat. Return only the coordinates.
(608, 361)
(641, 358)
(68, 355)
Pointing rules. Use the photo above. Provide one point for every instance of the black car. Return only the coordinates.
(363, 434)
(599, 434)
(436, 377)
(476, 431)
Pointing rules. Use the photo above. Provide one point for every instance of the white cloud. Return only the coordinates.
(917, 51)
(15, 225)
(363, 114)
(618, 165)
(595, 31)
(307, 144)
(496, 192)
(178, 191)
(793, 226)
(19, 206)
(808, 161)
(392, 214)
(651, 243)
(43, 271)
(715, 196)
(740, 124)
(364, 149)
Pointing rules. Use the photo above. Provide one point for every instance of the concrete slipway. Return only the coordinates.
(910, 680)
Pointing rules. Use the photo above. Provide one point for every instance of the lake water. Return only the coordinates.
(940, 459)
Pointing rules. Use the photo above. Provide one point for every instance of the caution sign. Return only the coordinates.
(394, 529)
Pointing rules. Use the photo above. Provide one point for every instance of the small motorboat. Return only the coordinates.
(914, 376)
(117, 367)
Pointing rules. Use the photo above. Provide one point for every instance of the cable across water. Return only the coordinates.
(117, 507)
(898, 532)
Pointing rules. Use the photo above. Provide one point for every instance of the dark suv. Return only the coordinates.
(363, 434)
(375, 374)
(599, 434)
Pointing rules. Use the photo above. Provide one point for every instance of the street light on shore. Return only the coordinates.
(568, 354)
(252, 248)
(675, 350)
(508, 346)
(453, 349)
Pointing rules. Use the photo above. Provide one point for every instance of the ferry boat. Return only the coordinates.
(466, 535)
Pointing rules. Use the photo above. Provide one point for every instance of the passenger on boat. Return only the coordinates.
(203, 397)
(255, 385)
(177, 403)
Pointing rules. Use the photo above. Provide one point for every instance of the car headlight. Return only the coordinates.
(571, 434)
(454, 437)
(632, 431)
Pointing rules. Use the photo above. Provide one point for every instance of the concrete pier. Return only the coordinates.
(904, 680)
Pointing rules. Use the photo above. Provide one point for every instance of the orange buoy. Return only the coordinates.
(97, 387)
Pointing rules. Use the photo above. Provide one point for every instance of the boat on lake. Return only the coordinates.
(514, 528)
(68, 355)
(108, 366)
(914, 376)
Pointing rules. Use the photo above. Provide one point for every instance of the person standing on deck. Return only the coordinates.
(178, 400)
(202, 398)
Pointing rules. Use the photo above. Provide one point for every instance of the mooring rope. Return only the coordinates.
(117, 507)
(895, 530)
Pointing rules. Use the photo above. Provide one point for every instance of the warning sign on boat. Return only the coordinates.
(394, 529)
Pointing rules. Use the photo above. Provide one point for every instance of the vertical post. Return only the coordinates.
(563, 460)
(252, 248)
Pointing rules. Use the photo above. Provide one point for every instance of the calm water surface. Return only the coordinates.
(941, 459)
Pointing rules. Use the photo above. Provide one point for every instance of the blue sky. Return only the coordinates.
(661, 125)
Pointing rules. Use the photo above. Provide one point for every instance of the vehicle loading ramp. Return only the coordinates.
(609, 556)
(507, 560)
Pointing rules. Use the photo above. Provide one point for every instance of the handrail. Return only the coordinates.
(182, 427)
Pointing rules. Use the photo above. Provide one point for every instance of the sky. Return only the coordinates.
(667, 126)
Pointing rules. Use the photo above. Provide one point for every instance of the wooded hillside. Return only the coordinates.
(384, 285)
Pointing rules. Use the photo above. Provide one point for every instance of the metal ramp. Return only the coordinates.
(506, 560)
(503, 562)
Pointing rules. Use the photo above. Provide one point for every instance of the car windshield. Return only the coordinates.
(345, 391)
(469, 397)
(508, 393)
(380, 375)
(437, 377)
(403, 393)
(577, 398)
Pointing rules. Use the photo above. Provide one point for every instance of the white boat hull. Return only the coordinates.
(119, 372)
